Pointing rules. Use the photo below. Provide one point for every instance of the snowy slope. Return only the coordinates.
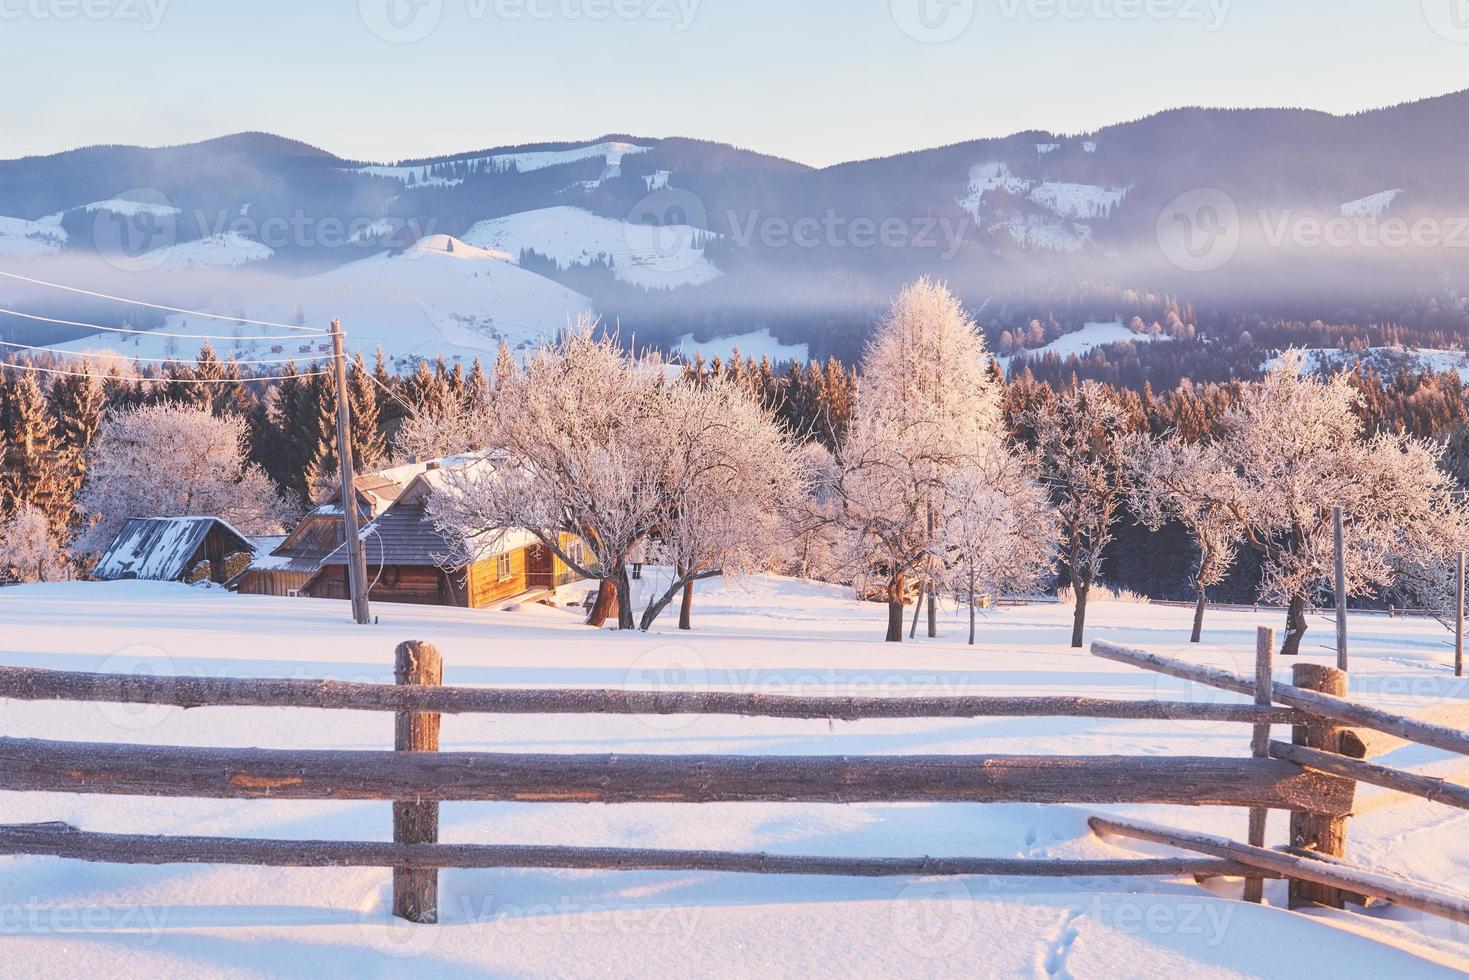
(226, 251)
(643, 255)
(1087, 339)
(425, 301)
(612, 152)
(766, 635)
(20, 238)
(756, 344)
(1068, 204)
(1371, 206)
(1385, 360)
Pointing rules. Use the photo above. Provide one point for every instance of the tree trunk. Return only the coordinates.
(917, 609)
(1078, 625)
(602, 608)
(933, 616)
(1295, 626)
(686, 608)
(624, 595)
(971, 606)
(895, 611)
(1198, 636)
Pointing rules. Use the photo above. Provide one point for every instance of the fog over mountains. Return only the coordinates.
(1232, 231)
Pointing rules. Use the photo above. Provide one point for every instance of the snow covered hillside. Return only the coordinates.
(20, 238)
(1386, 361)
(224, 251)
(1084, 341)
(654, 257)
(1066, 205)
(441, 296)
(768, 634)
(422, 176)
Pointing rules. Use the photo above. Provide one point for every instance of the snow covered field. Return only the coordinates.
(764, 634)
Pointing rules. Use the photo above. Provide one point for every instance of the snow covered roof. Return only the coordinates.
(404, 534)
(159, 549)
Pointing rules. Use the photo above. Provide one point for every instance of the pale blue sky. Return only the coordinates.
(819, 81)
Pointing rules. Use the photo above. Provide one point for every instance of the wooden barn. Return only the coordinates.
(285, 569)
(174, 549)
(407, 561)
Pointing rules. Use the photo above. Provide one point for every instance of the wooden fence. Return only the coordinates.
(1312, 779)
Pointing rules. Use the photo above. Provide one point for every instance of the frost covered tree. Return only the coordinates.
(169, 460)
(29, 549)
(39, 469)
(1299, 450)
(1191, 483)
(1000, 531)
(1079, 437)
(732, 473)
(578, 439)
(927, 409)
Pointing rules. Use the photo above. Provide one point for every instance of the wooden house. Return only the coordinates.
(283, 570)
(408, 560)
(174, 549)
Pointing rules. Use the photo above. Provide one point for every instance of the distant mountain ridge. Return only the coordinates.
(677, 236)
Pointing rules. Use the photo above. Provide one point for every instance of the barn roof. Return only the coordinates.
(404, 534)
(158, 549)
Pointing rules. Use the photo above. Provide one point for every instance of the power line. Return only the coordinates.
(149, 333)
(392, 394)
(153, 306)
(129, 357)
(11, 365)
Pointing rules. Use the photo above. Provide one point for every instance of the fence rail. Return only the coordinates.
(1315, 780)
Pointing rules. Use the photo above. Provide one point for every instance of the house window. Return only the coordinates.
(502, 566)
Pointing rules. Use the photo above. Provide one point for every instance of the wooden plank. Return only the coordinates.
(64, 841)
(1325, 705)
(29, 765)
(1428, 787)
(1335, 873)
(35, 684)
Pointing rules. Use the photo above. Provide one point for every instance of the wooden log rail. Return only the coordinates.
(1428, 787)
(64, 841)
(30, 765)
(35, 684)
(1334, 873)
(1311, 702)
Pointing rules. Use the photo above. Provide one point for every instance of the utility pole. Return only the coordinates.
(1338, 520)
(356, 560)
(1459, 622)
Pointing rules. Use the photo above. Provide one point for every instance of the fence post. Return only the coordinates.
(416, 891)
(1260, 744)
(1313, 831)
